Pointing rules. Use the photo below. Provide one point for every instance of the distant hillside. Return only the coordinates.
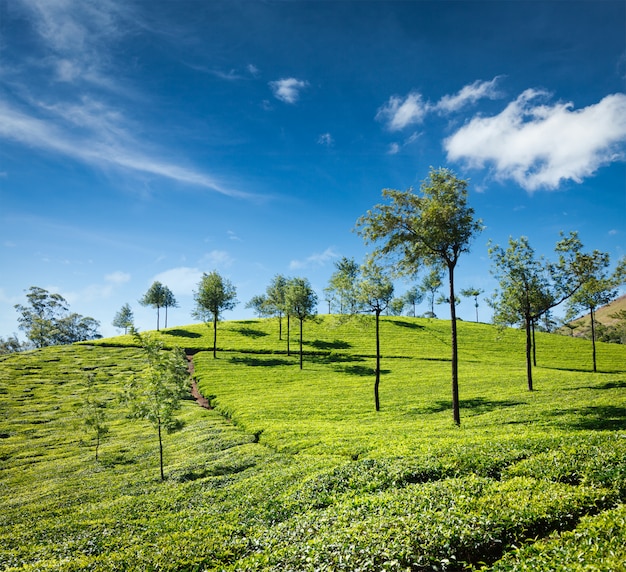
(581, 327)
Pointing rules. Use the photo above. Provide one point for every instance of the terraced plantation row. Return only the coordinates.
(294, 469)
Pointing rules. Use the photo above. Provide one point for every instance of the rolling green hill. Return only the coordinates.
(294, 469)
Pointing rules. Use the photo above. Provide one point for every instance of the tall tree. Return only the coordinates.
(124, 319)
(434, 228)
(342, 285)
(599, 289)
(215, 295)
(155, 298)
(375, 291)
(169, 301)
(429, 286)
(531, 286)
(472, 292)
(413, 297)
(155, 393)
(46, 320)
(301, 302)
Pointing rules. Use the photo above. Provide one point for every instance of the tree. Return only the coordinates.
(46, 320)
(214, 296)
(11, 345)
(93, 413)
(472, 292)
(529, 287)
(430, 285)
(275, 300)
(375, 291)
(301, 302)
(413, 297)
(124, 319)
(433, 228)
(342, 285)
(155, 298)
(154, 394)
(598, 290)
(259, 305)
(396, 306)
(169, 301)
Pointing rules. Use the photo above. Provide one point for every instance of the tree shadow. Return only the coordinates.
(250, 332)
(476, 405)
(405, 324)
(182, 333)
(599, 418)
(334, 345)
(260, 361)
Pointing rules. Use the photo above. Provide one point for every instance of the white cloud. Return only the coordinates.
(317, 259)
(288, 89)
(469, 94)
(539, 145)
(326, 139)
(394, 149)
(397, 113)
(182, 280)
(117, 277)
(217, 259)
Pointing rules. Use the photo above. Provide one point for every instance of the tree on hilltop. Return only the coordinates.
(472, 292)
(155, 297)
(124, 319)
(342, 286)
(434, 228)
(375, 292)
(429, 286)
(301, 302)
(214, 296)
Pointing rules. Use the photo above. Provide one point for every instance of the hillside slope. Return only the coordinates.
(294, 469)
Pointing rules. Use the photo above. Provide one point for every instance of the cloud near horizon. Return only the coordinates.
(538, 145)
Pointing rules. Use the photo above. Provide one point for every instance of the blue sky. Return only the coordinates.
(157, 140)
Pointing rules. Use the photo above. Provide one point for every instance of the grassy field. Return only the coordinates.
(295, 470)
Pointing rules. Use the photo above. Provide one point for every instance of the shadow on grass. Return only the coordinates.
(405, 324)
(260, 361)
(182, 333)
(599, 418)
(476, 406)
(608, 385)
(334, 345)
(250, 332)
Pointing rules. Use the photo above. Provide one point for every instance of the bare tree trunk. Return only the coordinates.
(593, 338)
(377, 382)
(456, 413)
(161, 452)
(288, 337)
(214, 336)
(301, 322)
(529, 367)
(534, 343)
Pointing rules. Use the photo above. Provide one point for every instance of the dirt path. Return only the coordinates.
(200, 399)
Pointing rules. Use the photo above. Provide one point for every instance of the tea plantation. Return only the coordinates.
(295, 470)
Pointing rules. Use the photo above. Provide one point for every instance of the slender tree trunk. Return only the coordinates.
(377, 382)
(301, 322)
(534, 343)
(160, 451)
(593, 337)
(529, 367)
(214, 335)
(288, 337)
(476, 304)
(157, 318)
(280, 326)
(456, 413)
(97, 444)
(165, 317)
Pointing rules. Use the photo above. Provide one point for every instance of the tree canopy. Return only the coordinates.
(432, 228)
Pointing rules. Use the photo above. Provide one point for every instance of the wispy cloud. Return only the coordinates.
(217, 259)
(538, 144)
(401, 112)
(182, 280)
(317, 259)
(88, 122)
(288, 89)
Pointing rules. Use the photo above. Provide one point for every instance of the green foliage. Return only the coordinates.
(124, 319)
(293, 470)
(46, 320)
